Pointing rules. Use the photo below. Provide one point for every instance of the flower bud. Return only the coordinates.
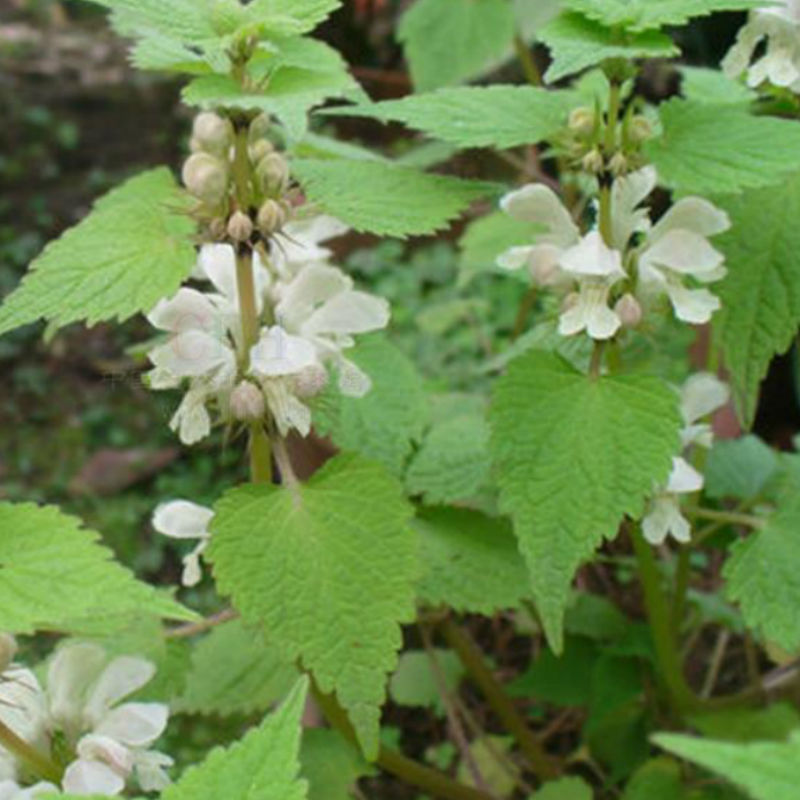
(593, 162)
(247, 402)
(628, 310)
(259, 128)
(273, 173)
(619, 165)
(8, 649)
(640, 129)
(582, 121)
(260, 150)
(310, 381)
(272, 217)
(212, 134)
(240, 227)
(206, 178)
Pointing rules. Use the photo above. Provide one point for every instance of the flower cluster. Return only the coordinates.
(608, 285)
(79, 723)
(779, 27)
(701, 395)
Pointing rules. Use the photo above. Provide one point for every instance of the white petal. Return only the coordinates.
(120, 679)
(695, 306)
(702, 394)
(92, 777)
(182, 519)
(353, 381)
(160, 379)
(150, 766)
(738, 57)
(289, 412)
(313, 286)
(692, 214)
(193, 353)
(23, 708)
(187, 310)
(72, 672)
(514, 258)
(684, 478)
(279, 353)
(192, 570)
(592, 257)
(218, 263)
(665, 519)
(348, 313)
(539, 204)
(191, 420)
(103, 748)
(628, 193)
(590, 312)
(684, 252)
(135, 724)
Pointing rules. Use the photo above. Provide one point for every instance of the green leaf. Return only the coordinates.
(386, 199)
(739, 468)
(658, 779)
(384, 424)
(564, 789)
(234, 671)
(703, 85)
(574, 455)
(763, 575)
(595, 617)
(642, 15)
(448, 43)
(706, 148)
(477, 116)
(415, 684)
(471, 562)
(761, 293)
(328, 570)
(331, 765)
(132, 250)
(56, 576)
(766, 770)
(577, 42)
(264, 765)
(775, 722)
(292, 16)
(453, 462)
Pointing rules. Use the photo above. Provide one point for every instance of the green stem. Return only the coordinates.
(248, 310)
(605, 221)
(732, 517)
(472, 659)
(658, 612)
(682, 574)
(35, 761)
(529, 67)
(614, 105)
(260, 455)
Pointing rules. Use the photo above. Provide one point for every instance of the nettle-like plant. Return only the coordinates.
(648, 220)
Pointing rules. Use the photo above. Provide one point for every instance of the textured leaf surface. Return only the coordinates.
(264, 765)
(132, 250)
(707, 148)
(773, 723)
(55, 575)
(478, 116)
(573, 457)
(415, 683)
(384, 424)
(387, 200)
(328, 570)
(705, 85)
(331, 765)
(761, 293)
(234, 671)
(640, 15)
(577, 42)
(739, 468)
(448, 43)
(766, 770)
(763, 575)
(471, 562)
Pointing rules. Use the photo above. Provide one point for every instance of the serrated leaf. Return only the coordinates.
(564, 789)
(763, 577)
(577, 42)
(56, 576)
(295, 16)
(264, 765)
(132, 250)
(451, 42)
(642, 15)
(471, 562)
(739, 468)
(703, 85)
(415, 683)
(331, 765)
(706, 148)
(773, 723)
(477, 116)
(233, 671)
(384, 424)
(386, 199)
(761, 293)
(327, 569)
(766, 770)
(574, 456)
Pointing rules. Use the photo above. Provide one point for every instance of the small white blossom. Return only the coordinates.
(11, 790)
(701, 395)
(181, 519)
(300, 244)
(779, 26)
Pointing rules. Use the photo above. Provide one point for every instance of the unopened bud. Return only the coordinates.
(212, 133)
(619, 165)
(640, 129)
(582, 121)
(260, 150)
(273, 173)
(629, 310)
(247, 402)
(8, 649)
(271, 217)
(259, 128)
(240, 227)
(206, 178)
(310, 381)
(593, 162)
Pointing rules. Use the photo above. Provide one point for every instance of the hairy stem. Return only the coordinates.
(35, 761)
(481, 674)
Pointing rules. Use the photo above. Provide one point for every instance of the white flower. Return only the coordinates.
(596, 268)
(702, 394)
(11, 790)
(779, 25)
(299, 244)
(181, 519)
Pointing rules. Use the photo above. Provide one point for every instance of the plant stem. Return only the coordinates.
(614, 103)
(479, 671)
(529, 67)
(38, 763)
(260, 455)
(658, 613)
(193, 628)
(682, 574)
(248, 310)
(596, 363)
(732, 517)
